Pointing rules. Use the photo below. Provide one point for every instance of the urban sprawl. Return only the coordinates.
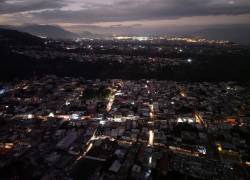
(72, 128)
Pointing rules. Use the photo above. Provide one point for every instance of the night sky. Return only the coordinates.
(127, 15)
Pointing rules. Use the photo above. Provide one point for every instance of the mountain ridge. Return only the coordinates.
(233, 33)
(49, 31)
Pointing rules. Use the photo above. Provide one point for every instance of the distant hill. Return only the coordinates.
(234, 33)
(14, 37)
(50, 31)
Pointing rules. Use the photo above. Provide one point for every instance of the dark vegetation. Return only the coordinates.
(100, 93)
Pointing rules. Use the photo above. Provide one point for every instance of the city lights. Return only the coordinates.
(183, 94)
(150, 160)
(110, 103)
(124, 89)
(51, 115)
(75, 116)
(219, 147)
(151, 138)
(185, 119)
(126, 106)
(202, 150)
(67, 103)
(102, 122)
(30, 116)
(95, 128)
(2, 91)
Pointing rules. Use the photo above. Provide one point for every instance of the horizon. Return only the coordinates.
(215, 32)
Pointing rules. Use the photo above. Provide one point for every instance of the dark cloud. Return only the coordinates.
(15, 6)
(148, 10)
(96, 11)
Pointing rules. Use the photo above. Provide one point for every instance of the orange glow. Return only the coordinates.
(231, 121)
(183, 94)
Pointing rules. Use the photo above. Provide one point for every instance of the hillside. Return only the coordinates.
(13, 37)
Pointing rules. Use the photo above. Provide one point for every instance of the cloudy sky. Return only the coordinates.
(79, 15)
